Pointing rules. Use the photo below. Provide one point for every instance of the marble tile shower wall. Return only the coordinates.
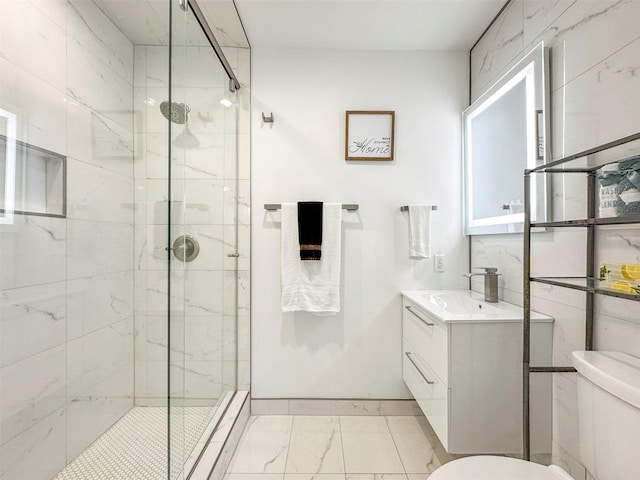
(595, 61)
(66, 285)
(214, 191)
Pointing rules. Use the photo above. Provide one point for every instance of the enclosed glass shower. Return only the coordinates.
(118, 239)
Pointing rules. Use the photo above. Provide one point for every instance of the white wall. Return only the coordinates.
(357, 353)
(595, 57)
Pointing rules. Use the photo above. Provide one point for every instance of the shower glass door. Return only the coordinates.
(117, 235)
(202, 240)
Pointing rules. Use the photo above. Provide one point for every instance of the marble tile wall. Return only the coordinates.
(594, 85)
(211, 194)
(80, 295)
(66, 285)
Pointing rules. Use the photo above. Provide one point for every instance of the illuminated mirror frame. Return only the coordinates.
(6, 217)
(533, 69)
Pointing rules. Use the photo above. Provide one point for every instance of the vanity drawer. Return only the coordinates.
(428, 390)
(428, 336)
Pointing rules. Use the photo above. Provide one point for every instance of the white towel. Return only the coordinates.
(419, 231)
(311, 286)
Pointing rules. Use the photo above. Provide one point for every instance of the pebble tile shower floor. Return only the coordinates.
(275, 447)
(135, 447)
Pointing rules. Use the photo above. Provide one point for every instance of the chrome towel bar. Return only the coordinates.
(405, 208)
(272, 207)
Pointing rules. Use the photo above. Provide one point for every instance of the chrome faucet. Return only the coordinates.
(490, 283)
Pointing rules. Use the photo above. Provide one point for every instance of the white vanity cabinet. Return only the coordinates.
(466, 375)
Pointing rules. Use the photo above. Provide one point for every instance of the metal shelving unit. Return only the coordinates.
(587, 162)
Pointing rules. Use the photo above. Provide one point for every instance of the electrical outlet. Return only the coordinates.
(438, 263)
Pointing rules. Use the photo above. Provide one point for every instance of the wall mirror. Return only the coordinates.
(506, 131)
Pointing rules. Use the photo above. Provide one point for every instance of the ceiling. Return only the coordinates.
(367, 24)
(313, 24)
(146, 22)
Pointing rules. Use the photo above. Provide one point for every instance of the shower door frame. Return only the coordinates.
(190, 7)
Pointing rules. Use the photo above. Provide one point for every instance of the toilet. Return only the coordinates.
(609, 428)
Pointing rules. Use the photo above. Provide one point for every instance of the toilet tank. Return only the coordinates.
(609, 414)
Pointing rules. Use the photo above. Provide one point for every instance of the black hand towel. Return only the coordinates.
(310, 230)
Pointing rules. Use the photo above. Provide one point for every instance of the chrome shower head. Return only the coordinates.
(175, 112)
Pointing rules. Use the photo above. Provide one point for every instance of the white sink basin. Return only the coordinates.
(465, 305)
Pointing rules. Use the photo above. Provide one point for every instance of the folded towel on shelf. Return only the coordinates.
(311, 286)
(629, 187)
(310, 230)
(419, 231)
(620, 188)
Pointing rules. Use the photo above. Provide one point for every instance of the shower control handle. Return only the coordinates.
(185, 248)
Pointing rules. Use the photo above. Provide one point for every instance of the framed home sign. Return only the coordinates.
(369, 135)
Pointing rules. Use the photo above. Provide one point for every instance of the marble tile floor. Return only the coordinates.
(135, 447)
(290, 447)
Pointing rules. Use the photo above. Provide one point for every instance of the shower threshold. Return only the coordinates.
(135, 447)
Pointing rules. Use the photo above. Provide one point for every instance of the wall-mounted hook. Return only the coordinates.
(269, 119)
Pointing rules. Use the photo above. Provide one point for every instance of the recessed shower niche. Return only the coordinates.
(32, 180)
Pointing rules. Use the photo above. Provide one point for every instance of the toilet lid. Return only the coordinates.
(487, 467)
